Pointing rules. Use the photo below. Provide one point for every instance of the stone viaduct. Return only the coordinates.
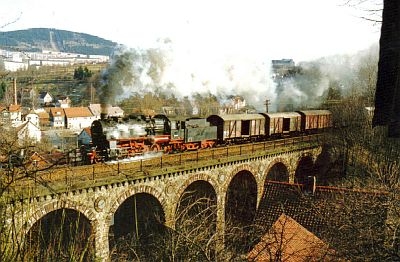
(99, 203)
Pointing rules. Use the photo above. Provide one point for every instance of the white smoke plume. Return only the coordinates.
(306, 89)
(163, 69)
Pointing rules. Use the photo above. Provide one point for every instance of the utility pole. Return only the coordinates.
(267, 103)
(15, 91)
(91, 93)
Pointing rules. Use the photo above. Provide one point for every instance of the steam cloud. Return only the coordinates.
(161, 70)
(164, 70)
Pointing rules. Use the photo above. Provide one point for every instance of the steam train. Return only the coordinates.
(117, 138)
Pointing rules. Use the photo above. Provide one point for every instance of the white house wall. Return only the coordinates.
(78, 123)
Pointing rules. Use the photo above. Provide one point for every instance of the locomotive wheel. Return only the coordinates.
(167, 149)
(145, 149)
(204, 145)
(155, 148)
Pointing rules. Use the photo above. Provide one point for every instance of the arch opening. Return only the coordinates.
(137, 229)
(196, 222)
(63, 234)
(305, 169)
(278, 172)
(240, 210)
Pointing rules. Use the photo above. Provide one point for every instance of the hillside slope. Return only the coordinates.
(38, 39)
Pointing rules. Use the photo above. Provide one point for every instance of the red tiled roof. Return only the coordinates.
(87, 130)
(111, 110)
(43, 115)
(14, 108)
(324, 213)
(77, 112)
(289, 241)
(56, 111)
(38, 161)
(11, 108)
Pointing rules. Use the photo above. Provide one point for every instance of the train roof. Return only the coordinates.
(231, 117)
(282, 114)
(177, 118)
(315, 112)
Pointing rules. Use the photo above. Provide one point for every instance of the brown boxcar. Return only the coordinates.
(236, 127)
(277, 124)
(291, 122)
(315, 120)
(273, 124)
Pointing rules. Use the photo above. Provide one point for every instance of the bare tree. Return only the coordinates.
(370, 10)
(20, 175)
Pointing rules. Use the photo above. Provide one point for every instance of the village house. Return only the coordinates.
(296, 217)
(15, 113)
(37, 161)
(235, 104)
(11, 114)
(5, 115)
(62, 139)
(85, 136)
(33, 118)
(28, 131)
(63, 102)
(44, 117)
(289, 241)
(111, 110)
(77, 118)
(45, 98)
(57, 117)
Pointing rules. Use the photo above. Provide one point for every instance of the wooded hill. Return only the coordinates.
(38, 39)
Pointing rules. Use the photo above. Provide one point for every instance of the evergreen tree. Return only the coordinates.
(3, 88)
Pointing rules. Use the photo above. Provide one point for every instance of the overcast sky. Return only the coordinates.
(223, 47)
(301, 30)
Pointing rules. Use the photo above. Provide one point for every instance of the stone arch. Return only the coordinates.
(136, 190)
(193, 178)
(40, 212)
(236, 170)
(240, 210)
(275, 161)
(57, 226)
(304, 166)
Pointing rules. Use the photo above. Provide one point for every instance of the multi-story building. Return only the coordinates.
(77, 118)
(14, 61)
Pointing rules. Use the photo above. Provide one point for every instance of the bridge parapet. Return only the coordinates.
(165, 178)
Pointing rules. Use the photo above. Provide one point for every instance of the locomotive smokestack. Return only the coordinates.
(104, 111)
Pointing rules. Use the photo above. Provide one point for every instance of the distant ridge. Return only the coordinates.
(38, 39)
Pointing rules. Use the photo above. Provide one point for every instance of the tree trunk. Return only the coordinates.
(387, 96)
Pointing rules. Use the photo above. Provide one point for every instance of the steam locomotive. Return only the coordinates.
(117, 138)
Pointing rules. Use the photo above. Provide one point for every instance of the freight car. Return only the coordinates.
(282, 123)
(238, 128)
(314, 120)
(120, 138)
